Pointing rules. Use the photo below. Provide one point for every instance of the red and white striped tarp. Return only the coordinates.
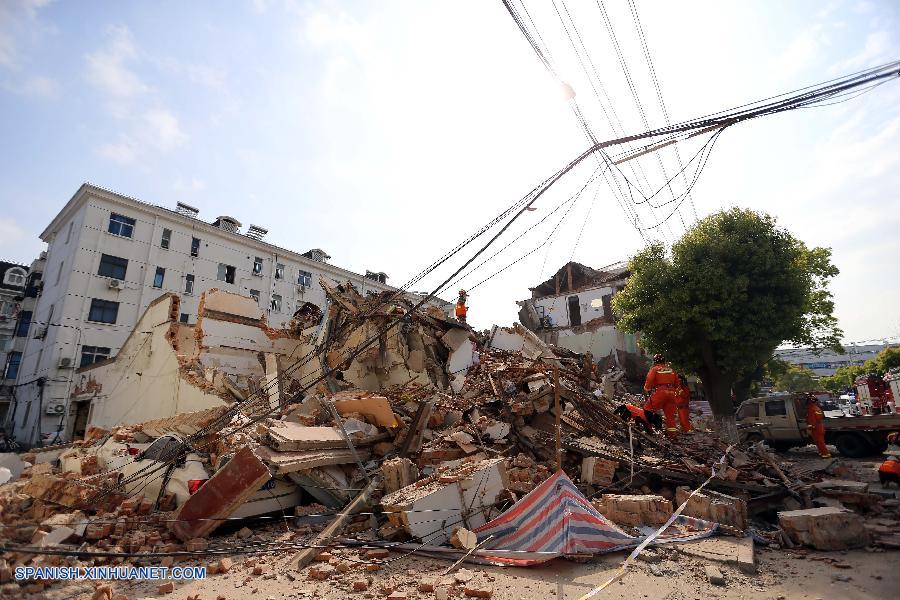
(555, 519)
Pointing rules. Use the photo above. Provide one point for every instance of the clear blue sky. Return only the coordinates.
(385, 132)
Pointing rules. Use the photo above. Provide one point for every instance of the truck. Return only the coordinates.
(874, 394)
(781, 422)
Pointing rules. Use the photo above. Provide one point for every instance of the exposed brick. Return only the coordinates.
(360, 585)
(473, 592)
(166, 588)
(225, 565)
(377, 554)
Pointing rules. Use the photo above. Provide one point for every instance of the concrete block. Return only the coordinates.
(714, 575)
(826, 528)
(739, 552)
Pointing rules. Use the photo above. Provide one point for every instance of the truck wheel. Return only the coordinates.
(852, 445)
(753, 438)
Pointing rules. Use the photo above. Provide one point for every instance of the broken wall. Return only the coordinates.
(143, 381)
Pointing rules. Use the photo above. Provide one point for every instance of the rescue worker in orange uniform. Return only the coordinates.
(683, 404)
(461, 307)
(649, 421)
(662, 385)
(815, 425)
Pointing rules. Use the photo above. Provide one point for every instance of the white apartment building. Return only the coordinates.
(12, 322)
(109, 256)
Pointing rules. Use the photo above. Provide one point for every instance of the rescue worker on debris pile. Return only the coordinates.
(815, 424)
(662, 386)
(683, 404)
(648, 421)
(461, 307)
(889, 471)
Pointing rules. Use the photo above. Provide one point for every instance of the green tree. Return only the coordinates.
(796, 379)
(734, 287)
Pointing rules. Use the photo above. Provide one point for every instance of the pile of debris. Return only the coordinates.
(436, 427)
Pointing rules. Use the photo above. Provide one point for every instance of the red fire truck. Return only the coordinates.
(874, 395)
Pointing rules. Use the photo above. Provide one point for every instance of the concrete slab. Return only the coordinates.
(738, 552)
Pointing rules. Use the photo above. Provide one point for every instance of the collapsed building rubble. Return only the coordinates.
(426, 436)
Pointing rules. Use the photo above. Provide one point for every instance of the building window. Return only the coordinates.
(13, 359)
(195, 246)
(120, 225)
(304, 278)
(188, 284)
(34, 285)
(255, 295)
(279, 271)
(92, 354)
(7, 308)
(276, 303)
(257, 266)
(24, 323)
(166, 239)
(226, 273)
(69, 231)
(159, 277)
(112, 266)
(15, 276)
(103, 311)
(183, 318)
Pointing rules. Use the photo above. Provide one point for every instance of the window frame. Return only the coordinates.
(159, 278)
(195, 246)
(124, 225)
(23, 324)
(222, 273)
(165, 240)
(257, 266)
(189, 284)
(97, 353)
(9, 363)
(103, 262)
(108, 305)
(184, 318)
(255, 294)
(279, 270)
(775, 403)
(15, 272)
(276, 303)
(304, 278)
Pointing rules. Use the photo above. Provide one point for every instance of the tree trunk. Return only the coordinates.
(717, 387)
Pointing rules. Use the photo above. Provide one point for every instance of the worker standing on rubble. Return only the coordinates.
(461, 306)
(683, 404)
(815, 424)
(662, 385)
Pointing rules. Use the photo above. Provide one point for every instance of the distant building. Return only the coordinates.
(573, 310)
(109, 256)
(13, 278)
(827, 362)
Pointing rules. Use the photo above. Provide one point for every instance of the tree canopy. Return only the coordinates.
(734, 287)
(796, 379)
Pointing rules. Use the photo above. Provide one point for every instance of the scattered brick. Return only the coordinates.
(244, 533)
(426, 586)
(166, 588)
(225, 565)
(472, 592)
(360, 585)
(378, 554)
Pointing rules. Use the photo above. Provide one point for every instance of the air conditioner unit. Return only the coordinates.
(56, 409)
(116, 284)
(65, 362)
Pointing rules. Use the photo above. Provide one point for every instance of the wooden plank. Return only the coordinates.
(335, 527)
(220, 496)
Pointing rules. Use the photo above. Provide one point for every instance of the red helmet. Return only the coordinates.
(658, 358)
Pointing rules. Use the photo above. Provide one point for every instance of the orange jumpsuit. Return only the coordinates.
(683, 404)
(638, 414)
(663, 382)
(461, 311)
(815, 422)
